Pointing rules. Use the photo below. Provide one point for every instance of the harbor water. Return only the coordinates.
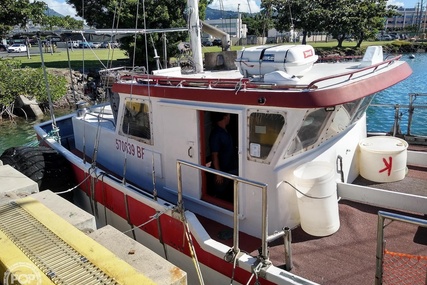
(380, 119)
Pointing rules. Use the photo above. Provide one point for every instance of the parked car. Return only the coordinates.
(217, 42)
(3, 47)
(86, 45)
(74, 44)
(115, 44)
(17, 48)
(96, 45)
(112, 44)
(384, 38)
(206, 43)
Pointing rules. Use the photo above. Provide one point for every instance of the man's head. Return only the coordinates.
(217, 116)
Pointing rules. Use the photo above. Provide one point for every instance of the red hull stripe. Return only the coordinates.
(172, 229)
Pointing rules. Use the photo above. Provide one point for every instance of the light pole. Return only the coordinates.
(239, 19)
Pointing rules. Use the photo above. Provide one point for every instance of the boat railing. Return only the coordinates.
(382, 217)
(395, 131)
(350, 74)
(245, 83)
(236, 180)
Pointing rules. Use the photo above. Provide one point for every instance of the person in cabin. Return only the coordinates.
(224, 155)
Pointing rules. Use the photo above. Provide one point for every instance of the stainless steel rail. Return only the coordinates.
(382, 216)
(411, 108)
(236, 180)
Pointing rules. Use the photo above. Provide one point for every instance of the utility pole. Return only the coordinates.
(422, 16)
(239, 20)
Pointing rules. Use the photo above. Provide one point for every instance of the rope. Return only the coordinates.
(153, 217)
(234, 265)
(192, 249)
(91, 49)
(75, 187)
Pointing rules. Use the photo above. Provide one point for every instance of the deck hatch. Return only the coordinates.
(55, 258)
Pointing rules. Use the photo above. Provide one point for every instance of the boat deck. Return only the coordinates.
(349, 255)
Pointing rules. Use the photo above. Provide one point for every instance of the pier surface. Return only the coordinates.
(107, 250)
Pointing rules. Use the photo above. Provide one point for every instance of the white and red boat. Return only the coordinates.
(142, 165)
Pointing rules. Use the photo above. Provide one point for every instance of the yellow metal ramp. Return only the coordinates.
(39, 247)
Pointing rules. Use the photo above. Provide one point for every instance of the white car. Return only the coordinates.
(17, 48)
(74, 44)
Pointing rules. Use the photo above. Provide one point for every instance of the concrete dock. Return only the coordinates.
(107, 250)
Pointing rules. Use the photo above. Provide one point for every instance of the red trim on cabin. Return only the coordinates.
(314, 98)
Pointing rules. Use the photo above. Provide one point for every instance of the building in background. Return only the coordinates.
(408, 19)
(232, 26)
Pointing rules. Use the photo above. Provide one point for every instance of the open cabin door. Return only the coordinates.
(180, 141)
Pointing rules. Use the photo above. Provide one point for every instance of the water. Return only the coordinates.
(381, 119)
(20, 131)
(16, 132)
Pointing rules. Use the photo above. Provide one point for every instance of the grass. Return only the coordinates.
(93, 59)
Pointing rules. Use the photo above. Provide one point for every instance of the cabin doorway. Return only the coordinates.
(216, 191)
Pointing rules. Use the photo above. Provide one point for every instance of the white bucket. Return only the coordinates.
(318, 205)
(383, 159)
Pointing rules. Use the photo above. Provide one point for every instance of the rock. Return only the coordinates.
(29, 107)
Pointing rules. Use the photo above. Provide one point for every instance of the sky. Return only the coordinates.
(247, 6)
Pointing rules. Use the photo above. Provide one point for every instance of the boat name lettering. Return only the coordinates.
(130, 148)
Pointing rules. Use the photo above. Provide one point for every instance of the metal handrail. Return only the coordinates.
(229, 82)
(411, 108)
(350, 74)
(382, 215)
(236, 180)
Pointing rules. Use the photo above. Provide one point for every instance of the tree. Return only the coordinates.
(266, 16)
(372, 16)
(109, 14)
(253, 23)
(306, 16)
(19, 12)
(340, 18)
(67, 22)
(15, 81)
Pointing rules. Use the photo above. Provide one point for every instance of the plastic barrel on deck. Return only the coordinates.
(317, 198)
(383, 159)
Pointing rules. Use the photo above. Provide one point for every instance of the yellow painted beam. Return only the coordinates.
(122, 272)
(16, 267)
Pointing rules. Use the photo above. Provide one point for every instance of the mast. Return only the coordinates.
(195, 37)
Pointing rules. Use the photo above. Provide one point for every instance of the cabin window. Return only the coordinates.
(362, 107)
(136, 120)
(310, 131)
(264, 129)
(339, 123)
